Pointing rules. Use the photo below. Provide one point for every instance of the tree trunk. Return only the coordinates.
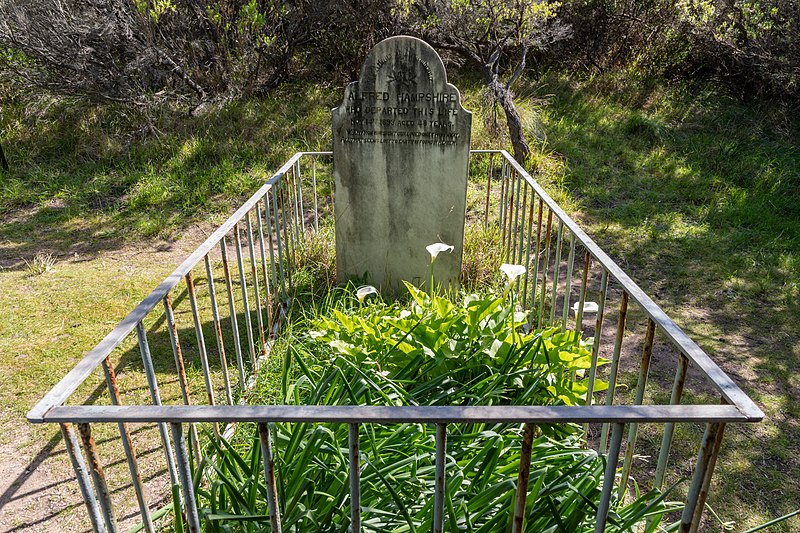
(3, 161)
(504, 97)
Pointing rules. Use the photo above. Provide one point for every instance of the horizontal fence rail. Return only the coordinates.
(217, 315)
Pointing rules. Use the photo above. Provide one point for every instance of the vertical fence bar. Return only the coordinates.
(488, 191)
(155, 396)
(98, 478)
(262, 250)
(127, 446)
(598, 331)
(438, 500)
(237, 345)
(502, 199)
(508, 228)
(608, 478)
(299, 195)
(267, 219)
(521, 230)
(587, 261)
(172, 328)
(298, 215)
(701, 501)
(546, 261)
(568, 282)
(355, 480)
(256, 289)
(523, 476)
(524, 298)
(201, 343)
(669, 427)
(612, 378)
(556, 271)
(269, 476)
(512, 245)
(641, 384)
(189, 502)
(706, 460)
(223, 361)
(279, 244)
(245, 299)
(314, 185)
(82, 474)
(288, 236)
(536, 259)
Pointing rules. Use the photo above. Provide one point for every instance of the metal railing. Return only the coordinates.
(262, 239)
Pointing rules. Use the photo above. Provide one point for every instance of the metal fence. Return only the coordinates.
(249, 263)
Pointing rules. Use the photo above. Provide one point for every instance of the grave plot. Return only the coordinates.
(422, 392)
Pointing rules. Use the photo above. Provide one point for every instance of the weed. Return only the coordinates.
(40, 264)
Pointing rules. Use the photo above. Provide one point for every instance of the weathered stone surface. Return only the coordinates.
(401, 155)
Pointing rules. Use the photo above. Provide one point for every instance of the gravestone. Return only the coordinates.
(400, 161)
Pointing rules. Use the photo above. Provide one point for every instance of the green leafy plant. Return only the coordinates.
(428, 351)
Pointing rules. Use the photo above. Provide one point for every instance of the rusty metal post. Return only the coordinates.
(521, 230)
(438, 496)
(223, 361)
(524, 298)
(556, 271)
(98, 477)
(501, 215)
(268, 220)
(536, 259)
(201, 343)
(288, 236)
(608, 478)
(512, 238)
(263, 252)
(299, 196)
(669, 427)
(155, 396)
(587, 261)
(269, 477)
(523, 476)
(355, 479)
(568, 283)
(641, 384)
(314, 185)
(187, 486)
(172, 328)
(279, 244)
(82, 475)
(612, 378)
(598, 332)
(237, 345)
(256, 291)
(127, 446)
(701, 480)
(488, 191)
(245, 299)
(548, 235)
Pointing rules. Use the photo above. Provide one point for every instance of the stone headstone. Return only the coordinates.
(400, 161)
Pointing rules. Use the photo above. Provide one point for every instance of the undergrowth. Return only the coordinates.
(431, 350)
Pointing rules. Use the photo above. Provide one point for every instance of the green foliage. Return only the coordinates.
(429, 351)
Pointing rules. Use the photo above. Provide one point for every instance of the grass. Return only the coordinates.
(694, 194)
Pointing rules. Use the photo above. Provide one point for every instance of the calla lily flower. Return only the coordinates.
(437, 247)
(512, 272)
(364, 291)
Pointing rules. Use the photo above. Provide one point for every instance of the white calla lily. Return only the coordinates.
(512, 272)
(364, 291)
(437, 247)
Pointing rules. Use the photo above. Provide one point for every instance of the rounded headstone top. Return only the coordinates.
(404, 62)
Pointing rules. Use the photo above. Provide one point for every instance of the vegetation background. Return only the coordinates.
(669, 129)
